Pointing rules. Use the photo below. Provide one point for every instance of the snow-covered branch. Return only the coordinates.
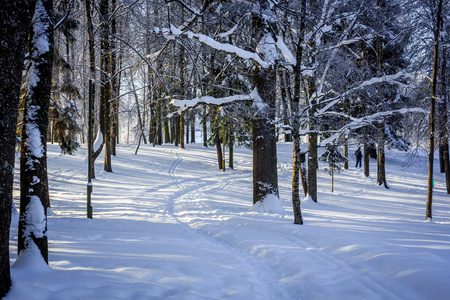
(389, 79)
(174, 32)
(209, 100)
(357, 123)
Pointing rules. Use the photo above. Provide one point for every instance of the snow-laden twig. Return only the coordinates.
(389, 79)
(65, 16)
(366, 120)
(145, 60)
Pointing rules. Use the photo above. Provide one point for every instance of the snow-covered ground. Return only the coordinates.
(169, 225)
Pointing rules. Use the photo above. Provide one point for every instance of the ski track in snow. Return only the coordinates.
(168, 224)
(258, 269)
(276, 290)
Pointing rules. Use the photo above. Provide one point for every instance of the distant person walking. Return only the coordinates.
(358, 155)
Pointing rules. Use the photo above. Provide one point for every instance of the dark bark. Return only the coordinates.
(366, 158)
(33, 158)
(183, 94)
(105, 78)
(298, 172)
(437, 32)
(115, 90)
(90, 32)
(15, 19)
(381, 163)
(167, 138)
(265, 174)
(381, 170)
(231, 151)
(443, 120)
(204, 127)
(192, 122)
(313, 164)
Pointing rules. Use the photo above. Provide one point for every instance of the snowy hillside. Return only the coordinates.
(169, 225)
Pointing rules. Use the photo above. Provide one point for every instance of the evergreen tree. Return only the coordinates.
(333, 157)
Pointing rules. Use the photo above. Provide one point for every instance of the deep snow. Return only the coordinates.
(169, 225)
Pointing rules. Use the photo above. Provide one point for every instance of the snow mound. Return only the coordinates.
(270, 204)
(31, 260)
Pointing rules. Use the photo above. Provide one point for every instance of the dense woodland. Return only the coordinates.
(320, 73)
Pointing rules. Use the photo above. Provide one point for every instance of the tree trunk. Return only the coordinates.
(204, 127)
(15, 20)
(33, 158)
(437, 33)
(296, 169)
(444, 148)
(219, 152)
(265, 174)
(192, 127)
(181, 126)
(176, 127)
(230, 151)
(167, 138)
(366, 157)
(312, 166)
(90, 32)
(105, 89)
(114, 90)
(381, 172)
(332, 178)
(298, 157)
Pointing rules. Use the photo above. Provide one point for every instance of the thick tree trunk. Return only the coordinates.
(33, 158)
(265, 176)
(15, 19)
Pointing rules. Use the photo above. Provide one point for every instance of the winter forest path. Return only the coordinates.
(169, 225)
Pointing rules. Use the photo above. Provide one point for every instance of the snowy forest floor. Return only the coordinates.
(169, 225)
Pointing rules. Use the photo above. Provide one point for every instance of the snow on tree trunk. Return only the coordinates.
(15, 17)
(33, 172)
(265, 174)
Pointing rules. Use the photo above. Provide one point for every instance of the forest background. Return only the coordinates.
(330, 73)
